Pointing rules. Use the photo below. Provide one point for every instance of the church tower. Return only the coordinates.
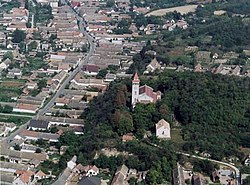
(135, 89)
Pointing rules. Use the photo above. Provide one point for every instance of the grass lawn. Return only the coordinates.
(105, 176)
(34, 64)
(246, 151)
(177, 138)
(12, 83)
(17, 120)
(10, 88)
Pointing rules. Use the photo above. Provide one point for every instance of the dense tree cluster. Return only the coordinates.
(18, 36)
(213, 109)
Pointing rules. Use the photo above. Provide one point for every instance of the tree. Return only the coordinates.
(8, 55)
(42, 83)
(132, 181)
(54, 130)
(143, 116)
(246, 181)
(7, 109)
(125, 123)
(18, 36)
(102, 73)
(81, 159)
(32, 45)
(110, 3)
(17, 147)
(154, 177)
(38, 150)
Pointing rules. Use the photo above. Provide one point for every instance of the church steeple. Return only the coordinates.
(136, 78)
(135, 89)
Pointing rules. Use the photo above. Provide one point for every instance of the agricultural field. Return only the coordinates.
(17, 120)
(181, 9)
(10, 88)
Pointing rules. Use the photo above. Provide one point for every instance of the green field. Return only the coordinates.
(17, 120)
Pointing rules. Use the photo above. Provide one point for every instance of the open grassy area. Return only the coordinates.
(10, 88)
(12, 83)
(246, 151)
(17, 120)
(181, 9)
(176, 137)
(5, 7)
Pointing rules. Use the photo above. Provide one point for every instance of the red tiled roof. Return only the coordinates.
(74, 4)
(40, 173)
(90, 68)
(149, 92)
(25, 177)
(28, 133)
(136, 78)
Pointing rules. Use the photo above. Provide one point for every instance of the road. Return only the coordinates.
(236, 170)
(71, 75)
(62, 179)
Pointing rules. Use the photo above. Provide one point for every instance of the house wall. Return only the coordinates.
(163, 133)
(135, 92)
(144, 97)
(25, 150)
(91, 173)
(18, 182)
(24, 110)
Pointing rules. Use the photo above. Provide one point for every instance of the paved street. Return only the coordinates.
(236, 170)
(72, 74)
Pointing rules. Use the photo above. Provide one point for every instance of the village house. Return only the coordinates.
(24, 177)
(81, 82)
(28, 148)
(90, 181)
(72, 163)
(109, 77)
(38, 125)
(153, 65)
(143, 94)
(5, 64)
(90, 170)
(34, 135)
(26, 108)
(120, 176)
(247, 161)
(62, 121)
(62, 101)
(40, 175)
(178, 176)
(90, 69)
(6, 128)
(163, 130)
(15, 156)
(14, 73)
(228, 70)
(31, 85)
(128, 137)
(199, 179)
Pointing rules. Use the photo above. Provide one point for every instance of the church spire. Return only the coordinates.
(136, 78)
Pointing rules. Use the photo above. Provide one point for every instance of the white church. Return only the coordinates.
(143, 94)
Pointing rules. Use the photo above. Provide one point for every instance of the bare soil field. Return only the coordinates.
(181, 9)
(12, 83)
